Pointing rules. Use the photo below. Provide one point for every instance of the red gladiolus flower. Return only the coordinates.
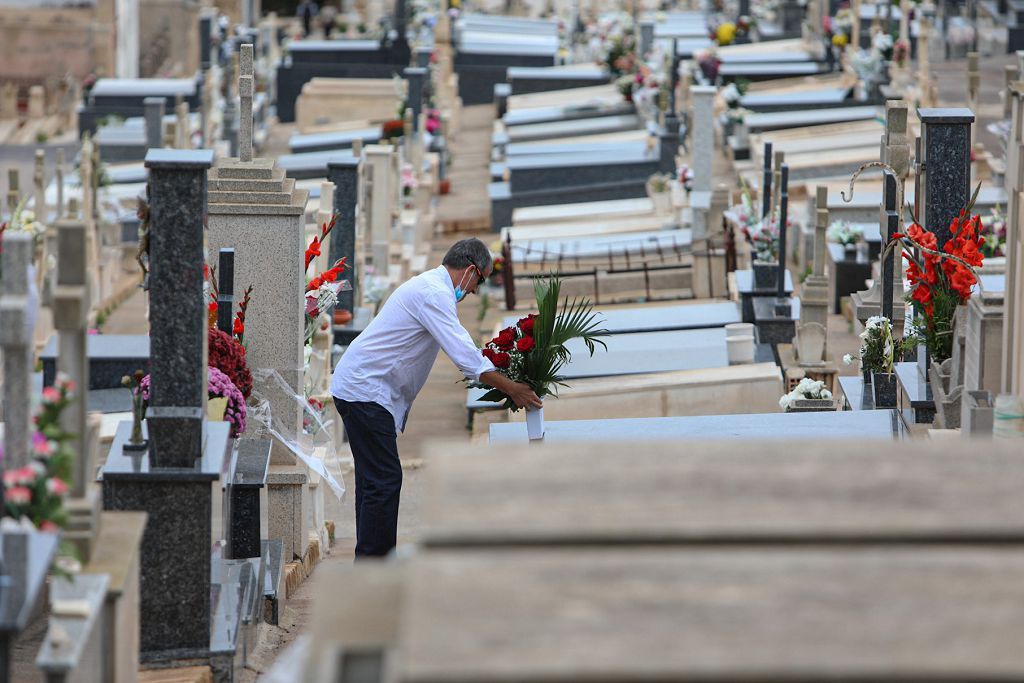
(239, 328)
(312, 251)
(525, 344)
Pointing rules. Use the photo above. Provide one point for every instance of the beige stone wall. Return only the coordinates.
(37, 44)
(168, 37)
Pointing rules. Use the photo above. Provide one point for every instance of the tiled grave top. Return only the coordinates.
(768, 56)
(661, 318)
(106, 346)
(629, 153)
(591, 72)
(299, 143)
(333, 46)
(60, 656)
(797, 119)
(39, 551)
(555, 211)
(908, 492)
(745, 282)
(946, 115)
(602, 245)
(649, 352)
(484, 47)
(309, 161)
(143, 87)
(772, 69)
(179, 158)
(507, 24)
(561, 129)
(862, 425)
(123, 466)
(521, 117)
(824, 96)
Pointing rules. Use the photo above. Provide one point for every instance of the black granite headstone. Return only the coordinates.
(177, 310)
(205, 43)
(946, 144)
(891, 217)
(416, 77)
(766, 185)
(344, 173)
(226, 290)
(250, 476)
(780, 291)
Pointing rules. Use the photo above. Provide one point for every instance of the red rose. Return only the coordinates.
(488, 353)
(525, 344)
(505, 339)
(501, 360)
(526, 325)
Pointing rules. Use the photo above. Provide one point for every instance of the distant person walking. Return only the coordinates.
(307, 11)
(386, 366)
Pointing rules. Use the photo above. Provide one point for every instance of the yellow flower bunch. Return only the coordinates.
(840, 40)
(726, 33)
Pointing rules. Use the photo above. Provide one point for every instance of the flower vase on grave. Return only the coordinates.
(765, 274)
(850, 252)
(884, 387)
(867, 377)
(342, 316)
(535, 423)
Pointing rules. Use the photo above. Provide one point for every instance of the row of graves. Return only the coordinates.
(784, 545)
(195, 461)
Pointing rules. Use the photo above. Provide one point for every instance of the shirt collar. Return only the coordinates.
(447, 278)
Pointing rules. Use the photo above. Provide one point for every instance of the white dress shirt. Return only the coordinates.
(389, 361)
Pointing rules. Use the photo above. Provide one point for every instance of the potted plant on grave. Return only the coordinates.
(808, 396)
(659, 189)
(534, 350)
(764, 240)
(879, 351)
(846, 235)
(224, 400)
(136, 442)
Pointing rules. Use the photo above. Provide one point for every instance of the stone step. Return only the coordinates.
(219, 180)
(258, 169)
(283, 196)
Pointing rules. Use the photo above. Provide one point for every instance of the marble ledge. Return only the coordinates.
(179, 158)
(125, 466)
(297, 208)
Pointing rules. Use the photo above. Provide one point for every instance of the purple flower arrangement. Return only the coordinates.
(219, 385)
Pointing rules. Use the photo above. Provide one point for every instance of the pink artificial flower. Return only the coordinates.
(41, 446)
(18, 495)
(49, 526)
(56, 486)
(20, 477)
(93, 330)
(51, 395)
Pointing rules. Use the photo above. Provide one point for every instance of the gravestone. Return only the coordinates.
(814, 299)
(702, 156)
(381, 192)
(417, 79)
(982, 352)
(154, 121)
(343, 172)
(59, 173)
(778, 161)
(12, 190)
(226, 290)
(172, 480)
(39, 187)
(766, 181)
(17, 323)
(1013, 326)
(257, 211)
(895, 151)
(946, 166)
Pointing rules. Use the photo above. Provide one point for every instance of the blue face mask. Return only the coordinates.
(459, 293)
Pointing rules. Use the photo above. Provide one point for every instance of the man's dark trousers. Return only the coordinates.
(371, 435)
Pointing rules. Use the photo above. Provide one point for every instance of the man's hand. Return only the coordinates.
(521, 394)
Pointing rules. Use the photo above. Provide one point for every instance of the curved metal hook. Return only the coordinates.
(856, 174)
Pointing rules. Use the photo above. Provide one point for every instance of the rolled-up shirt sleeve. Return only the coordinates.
(440, 319)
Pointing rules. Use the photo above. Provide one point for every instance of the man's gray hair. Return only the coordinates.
(469, 252)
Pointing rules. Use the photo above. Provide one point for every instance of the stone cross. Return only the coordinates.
(343, 172)
(17, 312)
(766, 184)
(13, 189)
(226, 291)
(780, 159)
(946, 165)
(780, 292)
(60, 182)
(8, 101)
(177, 318)
(889, 226)
(154, 116)
(71, 304)
(245, 90)
(183, 139)
(39, 185)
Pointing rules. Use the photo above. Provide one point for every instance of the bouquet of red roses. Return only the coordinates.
(533, 350)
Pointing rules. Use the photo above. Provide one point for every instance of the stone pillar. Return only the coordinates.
(646, 37)
(783, 216)
(946, 148)
(173, 482)
(71, 304)
(1010, 75)
(343, 172)
(766, 181)
(36, 102)
(812, 330)
(382, 196)
(1013, 327)
(183, 139)
(59, 173)
(206, 38)
(703, 98)
(17, 326)
(8, 101)
(416, 77)
(39, 187)
(779, 161)
(154, 115)
(245, 92)
(13, 189)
